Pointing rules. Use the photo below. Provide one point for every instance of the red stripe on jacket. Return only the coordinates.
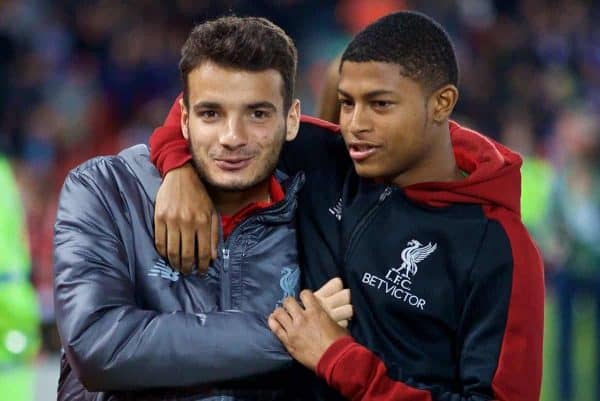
(358, 374)
(519, 372)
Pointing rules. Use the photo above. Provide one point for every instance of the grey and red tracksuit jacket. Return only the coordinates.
(134, 329)
(447, 285)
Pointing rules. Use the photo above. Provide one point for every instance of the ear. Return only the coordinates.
(184, 119)
(443, 101)
(293, 120)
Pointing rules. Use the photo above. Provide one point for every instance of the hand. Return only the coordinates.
(306, 332)
(185, 221)
(336, 301)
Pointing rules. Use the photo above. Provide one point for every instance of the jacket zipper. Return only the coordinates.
(226, 303)
(364, 222)
(225, 282)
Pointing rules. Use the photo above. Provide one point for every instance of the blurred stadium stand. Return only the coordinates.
(83, 78)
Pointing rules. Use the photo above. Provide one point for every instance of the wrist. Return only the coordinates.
(332, 354)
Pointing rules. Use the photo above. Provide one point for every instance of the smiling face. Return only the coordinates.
(384, 119)
(236, 124)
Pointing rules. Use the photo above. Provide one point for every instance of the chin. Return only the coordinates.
(232, 185)
(366, 171)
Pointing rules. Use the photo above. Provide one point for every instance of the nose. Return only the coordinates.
(234, 136)
(359, 121)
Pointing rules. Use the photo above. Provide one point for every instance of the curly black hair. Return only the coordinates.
(414, 41)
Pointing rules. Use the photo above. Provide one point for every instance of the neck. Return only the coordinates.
(230, 202)
(438, 165)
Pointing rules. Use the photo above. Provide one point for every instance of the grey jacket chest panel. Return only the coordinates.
(261, 278)
(262, 265)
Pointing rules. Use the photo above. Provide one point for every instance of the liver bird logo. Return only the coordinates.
(414, 253)
(290, 277)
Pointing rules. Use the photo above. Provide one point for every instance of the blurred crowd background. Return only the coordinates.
(83, 78)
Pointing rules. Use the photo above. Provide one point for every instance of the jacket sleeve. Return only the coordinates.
(500, 335)
(168, 148)
(113, 344)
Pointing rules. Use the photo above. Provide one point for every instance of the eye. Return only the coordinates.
(259, 114)
(208, 114)
(381, 104)
(345, 103)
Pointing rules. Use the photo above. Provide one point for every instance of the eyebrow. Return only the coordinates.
(368, 95)
(206, 105)
(262, 105)
(251, 106)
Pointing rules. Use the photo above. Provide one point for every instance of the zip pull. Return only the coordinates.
(386, 193)
(225, 259)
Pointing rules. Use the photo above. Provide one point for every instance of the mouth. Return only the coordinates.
(360, 151)
(233, 163)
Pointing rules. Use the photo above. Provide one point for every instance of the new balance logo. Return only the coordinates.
(336, 211)
(162, 270)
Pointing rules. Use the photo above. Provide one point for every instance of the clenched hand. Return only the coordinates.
(186, 225)
(335, 300)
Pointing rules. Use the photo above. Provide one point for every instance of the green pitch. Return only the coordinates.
(584, 348)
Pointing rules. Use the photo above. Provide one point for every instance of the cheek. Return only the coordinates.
(266, 137)
(202, 135)
(345, 118)
(405, 127)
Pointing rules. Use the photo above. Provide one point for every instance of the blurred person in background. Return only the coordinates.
(574, 234)
(19, 311)
(69, 55)
(536, 173)
(328, 105)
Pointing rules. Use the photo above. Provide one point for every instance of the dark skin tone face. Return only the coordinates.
(396, 130)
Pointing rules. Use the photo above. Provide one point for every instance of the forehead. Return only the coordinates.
(230, 86)
(363, 77)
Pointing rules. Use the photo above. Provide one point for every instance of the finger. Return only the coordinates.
(160, 237)
(188, 240)
(282, 317)
(202, 269)
(338, 299)
(309, 300)
(203, 244)
(277, 329)
(214, 235)
(329, 288)
(343, 323)
(292, 307)
(342, 313)
(174, 247)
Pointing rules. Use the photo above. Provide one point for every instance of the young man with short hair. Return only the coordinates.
(420, 217)
(131, 327)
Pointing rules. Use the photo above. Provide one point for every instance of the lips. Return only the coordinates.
(233, 164)
(361, 151)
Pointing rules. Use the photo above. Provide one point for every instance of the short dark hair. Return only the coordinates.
(246, 43)
(414, 41)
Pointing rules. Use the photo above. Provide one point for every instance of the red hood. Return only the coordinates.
(494, 174)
